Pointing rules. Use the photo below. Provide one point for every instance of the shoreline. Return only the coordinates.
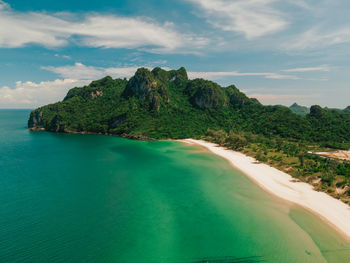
(122, 135)
(333, 211)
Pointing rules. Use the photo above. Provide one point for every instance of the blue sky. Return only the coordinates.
(279, 51)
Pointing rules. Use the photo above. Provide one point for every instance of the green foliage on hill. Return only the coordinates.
(300, 110)
(166, 104)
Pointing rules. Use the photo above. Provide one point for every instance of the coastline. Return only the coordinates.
(284, 186)
(123, 135)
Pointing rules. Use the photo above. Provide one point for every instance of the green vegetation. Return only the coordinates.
(300, 110)
(163, 104)
(293, 157)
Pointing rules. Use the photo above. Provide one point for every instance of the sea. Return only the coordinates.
(97, 198)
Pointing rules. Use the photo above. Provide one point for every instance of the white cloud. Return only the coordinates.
(253, 18)
(3, 5)
(219, 75)
(301, 3)
(267, 75)
(90, 29)
(31, 95)
(308, 69)
(63, 56)
(319, 38)
(81, 71)
(286, 99)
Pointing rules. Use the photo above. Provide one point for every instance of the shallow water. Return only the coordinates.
(91, 198)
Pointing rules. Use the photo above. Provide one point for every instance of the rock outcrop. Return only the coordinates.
(238, 98)
(96, 94)
(206, 94)
(145, 85)
(35, 121)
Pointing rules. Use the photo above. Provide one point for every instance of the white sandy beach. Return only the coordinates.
(282, 185)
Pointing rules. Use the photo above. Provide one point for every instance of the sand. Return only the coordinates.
(343, 155)
(284, 186)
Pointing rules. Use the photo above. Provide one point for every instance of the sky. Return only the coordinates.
(278, 51)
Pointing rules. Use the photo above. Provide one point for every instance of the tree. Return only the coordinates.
(235, 141)
(301, 159)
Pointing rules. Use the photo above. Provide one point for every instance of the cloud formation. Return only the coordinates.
(253, 18)
(308, 69)
(273, 99)
(3, 5)
(31, 95)
(81, 71)
(63, 56)
(318, 37)
(219, 75)
(19, 29)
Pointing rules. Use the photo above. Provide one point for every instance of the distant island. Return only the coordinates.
(303, 110)
(298, 109)
(162, 104)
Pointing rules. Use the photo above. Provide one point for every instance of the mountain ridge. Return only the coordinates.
(161, 104)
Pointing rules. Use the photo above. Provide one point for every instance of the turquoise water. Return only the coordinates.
(91, 198)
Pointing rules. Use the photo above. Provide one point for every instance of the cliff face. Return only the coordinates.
(206, 94)
(145, 85)
(35, 121)
(207, 98)
(238, 98)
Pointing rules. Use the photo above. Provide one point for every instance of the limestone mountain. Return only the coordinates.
(166, 104)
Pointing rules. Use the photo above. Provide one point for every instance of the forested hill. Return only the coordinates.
(166, 104)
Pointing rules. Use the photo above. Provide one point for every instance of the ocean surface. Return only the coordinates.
(94, 198)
